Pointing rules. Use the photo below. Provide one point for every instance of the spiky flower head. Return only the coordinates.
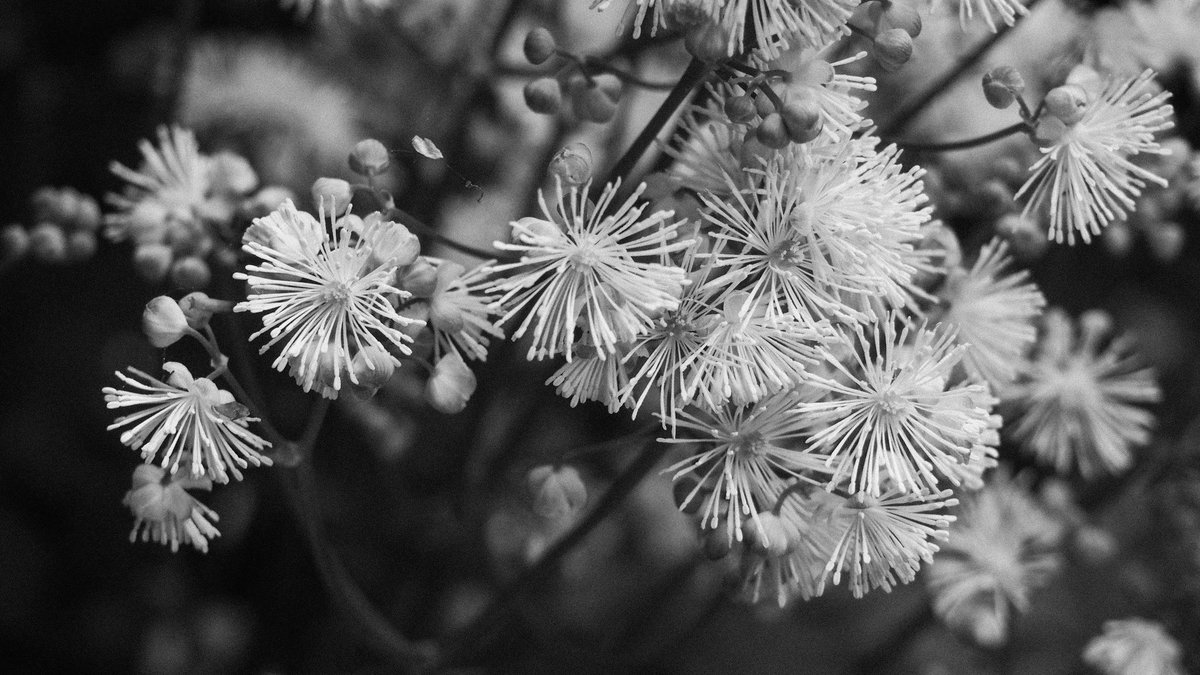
(1082, 401)
(809, 75)
(891, 417)
(1134, 646)
(1084, 176)
(187, 422)
(166, 513)
(166, 195)
(988, 11)
(994, 315)
(589, 265)
(461, 308)
(324, 293)
(352, 8)
(1002, 547)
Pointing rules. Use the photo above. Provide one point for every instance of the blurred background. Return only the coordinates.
(427, 511)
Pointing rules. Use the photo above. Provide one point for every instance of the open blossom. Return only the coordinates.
(890, 416)
(166, 513)
(460, 310)
(590, 377)
(994, 315)
(594, 266)
(1134, 646)
(186, 421)
(1085, 176)
(324, 295)
(351, 7)
(987, 11)
(168, 191)
(1082, 401)
(810, 76)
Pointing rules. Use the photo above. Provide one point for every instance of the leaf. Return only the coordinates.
(426, 147)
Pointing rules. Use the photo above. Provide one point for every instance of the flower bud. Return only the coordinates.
(706, 41)
(164, 322)
(1049, 130)
(1002, 85)
(151, 261)
(420, 279)
(763, 104)
(190, 273)
(199, 308)
(451, 385)
(1118, 238)
(1094, 545)
(444, 314)
(266, 200)
(594, 104)
(55, 205)
(544, 96)
(231, 174)
(609, 85)
(556, 493)
(370, 369)
(768, 534)
(48, 244)
(539, 46)
(772, 132)
(890, 14)
(740, 109)
(1067, 103)
(332, 194)
(1166, 241)
(88, 216)
(802, 120)
(81, 245)
(391, 242)
(892, 48)
(572, 165)
(369, 158)
(14, 243)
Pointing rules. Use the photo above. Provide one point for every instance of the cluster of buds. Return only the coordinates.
(891, 25)
(775, 123)
(593, 96)
(65, 230)
(1064, 106)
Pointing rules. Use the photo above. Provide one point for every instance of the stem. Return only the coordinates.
(415, 224)
(913, 107)
(966, 143)
(592, 63)
(695, 74)
(476, 636)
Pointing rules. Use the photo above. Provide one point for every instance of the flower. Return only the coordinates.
(303, 8)
(450, 386)
(165, 196)
(189, 420)
(800, 571)
(460, 310)
(891, 417)
(591, 377)
(993, 315)
(323, 295)
(1134, 646)
(989, 10)
(166, 513)
(1002, 547)
(604, 270)
(1085, 172)
(1081, 401)
(810, 77)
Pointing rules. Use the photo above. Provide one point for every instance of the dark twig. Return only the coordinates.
(965, 143)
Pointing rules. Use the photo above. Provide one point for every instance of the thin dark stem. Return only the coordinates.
(695, 74)
(911, 108)
(481, 631)
(419, 227)
(965, 143)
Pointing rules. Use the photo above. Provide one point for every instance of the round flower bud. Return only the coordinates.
(1094, 545)
(543, 96)
(190, 273)
(266, 200)
(334, 194)
(890, 14)
(199, 308)
(572, 164)
(802, 120)
(164, 322)
(768, 534)
(539, 46)
(1118, 238)
(371, 368)
(740, 109)
(420, 279)
(231, 174)
(369, 158)
(14, 243)
(706, 41)
(609, 84)
(1166, 241)
(81, 245)
(763, 104)
(772, 132)
(48, 244)
(451, 385)
(594, 104)
(1067, 103)
(1002, 85)
(88, 216)
(717, 544)
(892, 48)
(556, 493)
(55, 205)
(151, 261)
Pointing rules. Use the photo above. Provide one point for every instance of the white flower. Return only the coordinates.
(989, 10)
(1002, 547)
(1085, 175)
(589, 265)
(891, 417)
(810, 77)
(166, 513)
(993, 315)
(591, 377)
(325, 296)
(1134, 646)
(801, 571)
(460, 310)
(709, 160)
(351, 7)
(1081, 401)
(167, 193)
(189, 421)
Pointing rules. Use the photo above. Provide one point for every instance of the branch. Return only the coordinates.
(963, 144)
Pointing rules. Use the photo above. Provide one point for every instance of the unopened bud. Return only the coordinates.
(420, 279)
(1002, 85)
(451, 385)
(544, 96)
(595, 105)
(1118, 238)
(332, 194)
(163, 322)
(370, 368)
(391, 242)
(892, 48)
(707, 41)
(14, 243)
(267, 200)
(231, 174)
(572, 165)
(1166, 241)
(151, 261)
(88, 215)
(772, 132)
(890, 14)
(609, 84)
(199, 308)
(190, 273)
(48, 244)
(763, 104)
(369, 158)
(1067, 103)
(55, 205)
(81, 245)
(556, 493)
(539, 45)
(802, 120)
(740, 109)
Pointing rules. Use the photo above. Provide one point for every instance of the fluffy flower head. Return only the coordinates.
(166, 513)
